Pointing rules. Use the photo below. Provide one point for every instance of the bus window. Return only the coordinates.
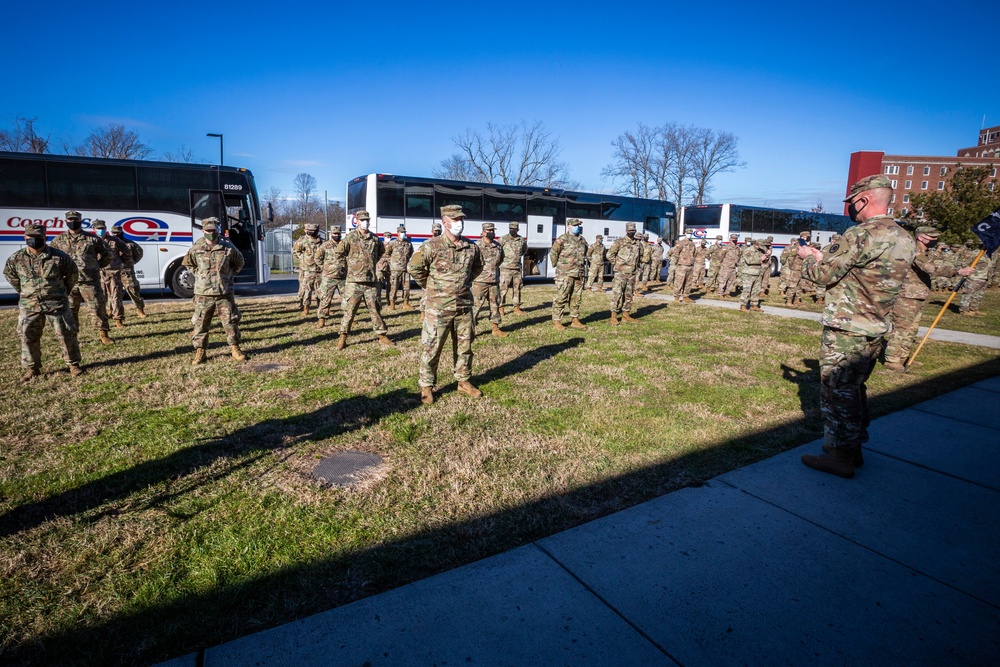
(583, 206)
(22, 183)
(547, 206)
(469, 198)
(390, 200)
(167, 189)
(505, 206)
(420, 201)
(621, 208)
(107, 186)
(207, 205)
(357, 195)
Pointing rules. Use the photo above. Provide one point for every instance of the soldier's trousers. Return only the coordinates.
(972, 295)
(713, 276)
(646, 273)
(684, 280)
(229, 316)
(438, 327)
(355, 294)
(308, 284)
(727, 281)
(92, 295)
(326, 289)
(621, 293)
(130, 285)
(569, 292)
(905, 325)
(510, 280)
(399, 280)
(111, 283)
(483, 293)
(671, 273)
(845, 362)
(595, 278)
(750, 296)
(30, 326)
(793, 285)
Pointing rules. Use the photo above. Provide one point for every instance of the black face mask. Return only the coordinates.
(631, 235)
(74, 224)
(35, 242)
(313, 234)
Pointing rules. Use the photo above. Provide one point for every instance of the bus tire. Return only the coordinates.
(774, 267)
(182, 282)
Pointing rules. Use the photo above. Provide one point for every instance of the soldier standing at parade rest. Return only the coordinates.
(382, 268)
(484, 287)
(624, 256)
(569, 256)
(111, 275)
(657, 263)
(214, 261)
(645, 262)
(700, 255)
(91, 254)
(333, 270)
(863, 272)
(515, 247)
(595, 265)
(305, 250)
(683, 256)
(714, 261)
(43, 278)
(750, 268)
(727, 267)
(130, 284)
(399, 279)
(361, 250)
(445, 268)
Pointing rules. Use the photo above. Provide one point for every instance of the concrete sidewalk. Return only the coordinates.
(769, 564)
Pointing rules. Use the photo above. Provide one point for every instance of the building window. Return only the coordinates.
(909, 170)
(902, 211)
(893, 199)
(927, 171)
(906, 199)
(923, 185)
(993, 172)
(894, 184)
(992, 185)
(940, 185)
(889, 211)
(892, 169)
(944, 170)
(909, 184)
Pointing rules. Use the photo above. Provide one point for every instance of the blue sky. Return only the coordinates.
(339, 91)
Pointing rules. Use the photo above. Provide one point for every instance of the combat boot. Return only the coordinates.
(496, 331)
(756, 308)
(237, 353)
(342, 341)
(502, 314)
(427, 395)
(104, 337)
(384, 340)
(614, 318)
(839, 462)
(407, 306)
(392, 306)
(788, 301)
(75, 370)
(627, 317)
(895, 366)
(120, 324)
(29, 375)
(859, 459)
(796, 300)
(558, 325)
(199, 356)
(744, 309)
(677, 299)
(577, 324)
(467, 389)
(687, 300)
(305, 310)
(140, 312)
(518, 311)
(322, 322)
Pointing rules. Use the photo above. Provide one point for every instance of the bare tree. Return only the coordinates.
(818, 208)
(519, 154)
(183, 154)
(712, 153)
(636, 164)
(22, 138)
(114, 141)
(305, 188)
(273, 201)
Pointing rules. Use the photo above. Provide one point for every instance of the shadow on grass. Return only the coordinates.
(195, 621)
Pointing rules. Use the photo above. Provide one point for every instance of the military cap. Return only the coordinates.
(436, 225)
(927, 230)
(805, 235)
(99, 224)
(401, 228)
(312, 227)
(835, 237)
(210, 225)
(770, 240)
(488, 227)
(733, 236)
(335, 229)
(868, 183)
(362, 215)
(513, 225)
(629, 225)
(34, 230)
(718, 237)
(73, 215)
(645, 235)
(117, 230)
(600, 238)
(453, 211)
(574, 221)
(969, 242)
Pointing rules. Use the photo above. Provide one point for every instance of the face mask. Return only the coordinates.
(490, 235)
(364, 224)
(577, 229)
(35, 242)
(436, 232)
(102, 232)
(313, 234)
(456, 228)
(335, 237)
(73, 224)
(853, 210)
(630, 234)
(212, 236)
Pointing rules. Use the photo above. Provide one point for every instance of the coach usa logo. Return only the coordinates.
(144, 229)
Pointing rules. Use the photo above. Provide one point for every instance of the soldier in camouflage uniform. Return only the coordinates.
(913, 293)
(645, 263)
(700, 255)
(382, 269)
(569, 256)
(399, 257)
(714, 262)
(683, 256)
(130, 284)
(43, 278)
(515, 247)
(750, 269)
(820, 293)
(595, 265)
(657, 263)
(728, 263)
(794, 282)
(361, 250)
(671, 266)
(791, 250)
(333, 270)
(624, 256)
(91, 254)
(305, 251)
(214, 261)
(445, 267)
(484, 287)
(863, 272)
(435, 232)
(974, 287)
(111, 275)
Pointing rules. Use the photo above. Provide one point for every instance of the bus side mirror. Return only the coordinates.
(270, 212)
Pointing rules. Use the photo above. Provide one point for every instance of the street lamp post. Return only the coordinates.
(212, 134)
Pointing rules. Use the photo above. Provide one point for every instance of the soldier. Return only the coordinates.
(214, 261)
(569, 255)
(645, 263)
(305, 250)
(435, 231)
(399, 258)
(700, 255)
(657, 263)
(624, 258)
(714, 262)
(791, 250)
(382, 268)
(333, 270)
(515, 247)
(671, 265)
(683, 256)
(750, 269)
(43, 278)
(91, 254)
(111, 275)
(361, 250)
(975, 285)
(445, 268)
(727, 266)
(595, 261)
(765, 267)
(484, 287)
(130, 284)
(793, 272)
(863, 272)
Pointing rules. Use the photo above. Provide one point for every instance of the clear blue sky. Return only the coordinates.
(339, 90)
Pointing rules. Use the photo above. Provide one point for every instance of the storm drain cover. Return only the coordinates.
(345, 468)
(263, 368)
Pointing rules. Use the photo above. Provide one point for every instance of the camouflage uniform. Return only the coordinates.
(683, 256)
(399, 279)
(361, 252)
(645, 264)
(435, 232)
(750, 269)
(568, 255)
(382, 269)
(595, 261)
(700, 255)
(333, 270)
(130, 284)
(714, 262)
(484, 287)
(792, 271)
(863, 271)
(790, 251)
(514, 247)
(446, 270)
(43, 280)
(91, 254)
(111, 275)
(214, 266)
(657, 263)
(975, 285)
(671, 265)
(624, 257)
(309, 272)
(730, 259)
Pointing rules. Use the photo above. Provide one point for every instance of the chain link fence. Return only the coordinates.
(278, 249)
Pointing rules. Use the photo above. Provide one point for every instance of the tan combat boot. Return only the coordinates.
(342, 342)
(558, 325)
(407, 306)
(687, 300)
(392, 306)
(322, 322)
(467, 389)
(105, 339)
(75, 370)
(614, 318)
(859, 459)
(788, 301)
(627, 317)
(140, 312)
(30, 374)
(237, 353)
(502, 314)
(120, 324)
(744, 309)
(384, 340)
(199, 356)
(895, 366)
(677, 299)
(518, 311)
(496, 331)
(839, 462)
(577, 324)
(427, 395)
(305, 310)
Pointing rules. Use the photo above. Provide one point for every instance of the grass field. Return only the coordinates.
(151, 508)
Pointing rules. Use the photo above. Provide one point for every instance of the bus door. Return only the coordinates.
(539, 239)
(243, 235)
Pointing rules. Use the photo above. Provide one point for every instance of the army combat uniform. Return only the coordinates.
(333, 270)
(595, 261)
(623, 256)
(750, 268)
(683, 256)
(111, 275)
(700, 255)
(91, 254)
(515, 247)
(727, 266)
(569, 255)
(974, 287)
(305, 251)
(484, 287)
(399, 280)
(361, 251)
(657, 263)
(130, 284)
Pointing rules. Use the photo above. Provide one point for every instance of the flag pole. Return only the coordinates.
(943, 308)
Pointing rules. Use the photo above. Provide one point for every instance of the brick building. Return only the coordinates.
(911, 174)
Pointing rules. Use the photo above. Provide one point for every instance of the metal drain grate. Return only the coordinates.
(263, 368)
(345, 468)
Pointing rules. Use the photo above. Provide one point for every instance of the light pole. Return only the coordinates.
(212, 134)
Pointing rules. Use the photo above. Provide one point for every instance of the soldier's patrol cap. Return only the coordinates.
(805, 235)
(335, 229)
(453, 211)
(488, 227)
(118, 230)
(513, 225)
(572, 222)
(733, 236)
(927, 230)
(34, 230)
(629, 225)
(401, 228)
(645, 235)
(362, 215)
(312, 227)
(770, 240)
(868, 183)
(600, 238)
(210, 225)
(73, 215)
(99, 224)
(719, 237)
(435, 225)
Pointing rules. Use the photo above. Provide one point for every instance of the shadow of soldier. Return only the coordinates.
(807, 384)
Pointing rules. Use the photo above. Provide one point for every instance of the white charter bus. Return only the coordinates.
(160, 205)
(541, 213)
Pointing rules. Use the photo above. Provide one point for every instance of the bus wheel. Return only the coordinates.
(182, 283)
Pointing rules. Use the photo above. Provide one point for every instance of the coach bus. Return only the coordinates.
(160, 205)
(711, 220)
(541, 213)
